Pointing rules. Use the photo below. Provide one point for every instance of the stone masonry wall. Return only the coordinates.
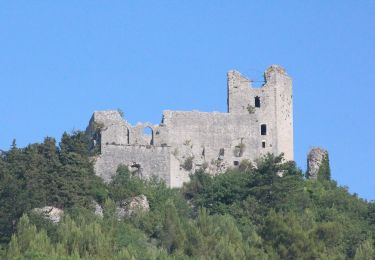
(145, 161)
(186, 141)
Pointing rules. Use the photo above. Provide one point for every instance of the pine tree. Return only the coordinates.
(172, 236)
(365, 251)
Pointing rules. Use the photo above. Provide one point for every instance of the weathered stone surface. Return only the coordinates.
(50, 213)
(258, 121)
(134, 205)
(315, 159)
(98, 209)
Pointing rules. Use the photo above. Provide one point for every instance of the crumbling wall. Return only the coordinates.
(121, 143)
(144, 161)
(274, 108)
(258, 121)
(207, 133)
(282, 84)
(108, 127)
(215, 141)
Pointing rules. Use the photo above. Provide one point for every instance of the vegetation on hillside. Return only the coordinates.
(245, 213)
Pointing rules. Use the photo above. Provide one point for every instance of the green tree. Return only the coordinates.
(324, 172)
(124, 185)
(172, 236)
(365, 251)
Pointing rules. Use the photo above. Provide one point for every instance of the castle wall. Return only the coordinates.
(214, 131)
(145, 161)
(108, 127)
(258, 121)
(282, 84)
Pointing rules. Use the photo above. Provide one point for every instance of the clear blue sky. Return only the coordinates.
(61, 60)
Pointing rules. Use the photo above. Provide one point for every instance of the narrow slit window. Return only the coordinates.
(257, 101)
(263, 129)
(264, 144)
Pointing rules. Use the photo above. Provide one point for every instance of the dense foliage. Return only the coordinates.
(267, 212)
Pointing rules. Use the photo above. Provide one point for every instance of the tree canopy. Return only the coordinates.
(265, 212)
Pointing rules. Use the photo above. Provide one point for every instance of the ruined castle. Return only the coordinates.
(258, 121)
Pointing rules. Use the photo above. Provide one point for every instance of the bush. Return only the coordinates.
(188, 163)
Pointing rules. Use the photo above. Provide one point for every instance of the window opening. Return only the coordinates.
(257, 101)
(236, 163)
(149, 133)
(263, 129)
(263, 144)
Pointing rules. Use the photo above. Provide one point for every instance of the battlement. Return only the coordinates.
(258, 121)
(242, 96)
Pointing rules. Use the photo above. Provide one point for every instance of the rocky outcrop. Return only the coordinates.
(98, 209)
(50, 213)
(315, 159)
(132, 206)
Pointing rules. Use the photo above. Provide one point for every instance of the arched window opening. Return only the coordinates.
(149, 134)
(257, 101)
(147, 131)
(263, 129)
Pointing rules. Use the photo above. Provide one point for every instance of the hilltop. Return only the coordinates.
(245, 213)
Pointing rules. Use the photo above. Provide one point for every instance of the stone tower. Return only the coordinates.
(271, 105)
(258, 121)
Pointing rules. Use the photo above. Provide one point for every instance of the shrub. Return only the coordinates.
(188, 164)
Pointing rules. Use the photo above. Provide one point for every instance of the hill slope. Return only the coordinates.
(247, 213)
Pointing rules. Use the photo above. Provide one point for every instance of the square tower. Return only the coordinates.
(270, 105)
